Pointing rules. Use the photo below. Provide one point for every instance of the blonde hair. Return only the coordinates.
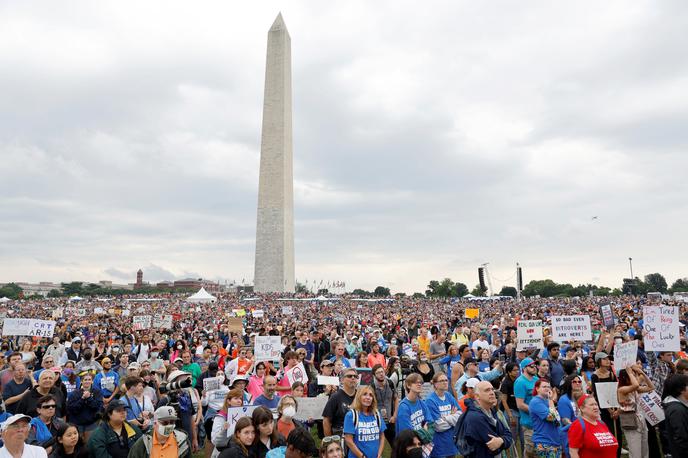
(357, 405)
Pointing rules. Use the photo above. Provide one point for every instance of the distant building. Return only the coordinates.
(139, 279)
(41, 288)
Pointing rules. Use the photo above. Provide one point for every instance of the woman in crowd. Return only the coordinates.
(44, 427)
(632, 382)
(423, 367)
(567, 406)
(267, 436)
(395, 375)
(242, 439)
(70, 380)
(255, 380)
(444, 408)
(676, 412)
(468, 392)
(546, 421)
(331, 447)
(28, 355)
(219, 435)
(84, 406)
(484, 360)
(602, 374)
(179, 347)
(407, 445)
(68, 443)
(589, 436)
(362, 359)
(286, 411)
(364, 426)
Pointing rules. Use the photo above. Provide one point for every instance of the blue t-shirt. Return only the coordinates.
(544, 432)
(367, 433)
(411, 415)
(523, 389)
(443, 442)
(308, 346)
(269, 403)
(566, 409)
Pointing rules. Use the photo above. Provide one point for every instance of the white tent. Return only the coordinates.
(201, 297)
(468, 296)
(5, 299)
(75, 298)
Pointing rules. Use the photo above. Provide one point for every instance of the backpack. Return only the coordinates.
(582, 422)
(465, 449)
(377, 418)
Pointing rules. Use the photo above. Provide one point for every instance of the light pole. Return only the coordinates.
(630, 263)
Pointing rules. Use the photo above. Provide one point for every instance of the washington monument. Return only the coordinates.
(275, 227)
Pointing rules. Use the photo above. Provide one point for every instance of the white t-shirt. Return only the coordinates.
(30, 451)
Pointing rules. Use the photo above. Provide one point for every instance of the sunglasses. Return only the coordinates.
(330, 439)
(351, 376)
(49, 406)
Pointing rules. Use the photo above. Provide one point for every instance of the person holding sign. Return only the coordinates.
(363, 426)
(633, 381)
(589, 436)
(605, 374)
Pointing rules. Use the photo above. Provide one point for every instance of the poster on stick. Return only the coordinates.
(141, 322)
(27, 327)
(567, 328)
(660, 324)
(607, 314)
(606, 394)
(267, 348)
(472, 313)
(297, 374)
(650, 405)
(625, 355)
(529, 334)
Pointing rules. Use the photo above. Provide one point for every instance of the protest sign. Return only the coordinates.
(58, 313)
(267, 348)
(234, 414)
(606, 394)
(212, 383)
(287, 310)
(297, 374)
(311, 408)
(126, 312)
(162, 321)
(472, 313)
(325, 380)
(141, 322)
(529, 334)
(651, 407)
(258, 313)
(81, 312)
(661, 328)
(27, 327)
(99, 311)
(607, 314)
(566, 328)
(235, 324)
(625, 355)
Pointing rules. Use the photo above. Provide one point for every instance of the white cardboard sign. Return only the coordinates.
(212, 383)
(661, 328)
(258, 313)
(27, 327)
(162, 321)
(297, 374)
(625, 355)
(287, 310)
(311, 408)
(529, 334)
(607, 395)
(651, 407)
(141, 322)
(566, 328)
(325, 380)
(234, 414)
(267, 348)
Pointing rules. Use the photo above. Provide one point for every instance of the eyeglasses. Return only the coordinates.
(330, 439)
(442, 381)
(576, 381)
(49, 406)
(351, 376)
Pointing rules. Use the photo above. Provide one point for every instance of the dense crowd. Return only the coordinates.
(414, 374)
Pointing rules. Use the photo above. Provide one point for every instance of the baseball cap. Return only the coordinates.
(326, 362)
(494, 326)
(13, 419)
(526, 362)
(178, 359)
(134, 366)
(115, 404)
(600, 355)
(165, 413)
(472, 382)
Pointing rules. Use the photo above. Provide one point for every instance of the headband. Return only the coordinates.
(582, 399)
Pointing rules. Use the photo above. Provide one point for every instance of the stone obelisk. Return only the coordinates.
(275, 227)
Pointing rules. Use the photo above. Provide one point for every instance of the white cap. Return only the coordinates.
(13, 419)
(175, 374)
(472, 382)
(165, 413)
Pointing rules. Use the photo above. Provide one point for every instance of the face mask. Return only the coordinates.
(154, 354)
(415, 452)
(289, 412)
(424, 359)
(165, 430)
(179, 347)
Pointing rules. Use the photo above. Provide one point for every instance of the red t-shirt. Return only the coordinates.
(596, 442)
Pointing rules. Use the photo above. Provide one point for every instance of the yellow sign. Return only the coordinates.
(472, 313)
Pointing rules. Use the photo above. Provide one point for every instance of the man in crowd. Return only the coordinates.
(338, 404)
(13, 390)
(15, 432)
(163, 440)
(268, 399)
(485, 432)
(523, 392)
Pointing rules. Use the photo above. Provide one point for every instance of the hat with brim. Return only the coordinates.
(14, 419)
(472, 382)
(600, 355)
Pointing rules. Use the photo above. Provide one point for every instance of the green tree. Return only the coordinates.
(360, 292)
(399, 295)
(74, 288)
(459, 290)
(508, 291)
(54, 293)
(542, 288)
(680, 285)
(417, 295)
(635, 286)
(381, 291)
(656, 282)
(478, 291)
(446, 288)
(11, 291)
(301, 288)
(616, 292)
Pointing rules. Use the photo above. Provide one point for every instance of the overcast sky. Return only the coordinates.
(429, 137)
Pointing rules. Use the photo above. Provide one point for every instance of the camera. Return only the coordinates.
(174, 386)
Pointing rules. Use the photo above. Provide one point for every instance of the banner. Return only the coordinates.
(651, 407)
(297, 374)
(287, 310)
(472, 313)
(566, 328)
(661, 328)
(27, 327)
(607, 314)
(607, 394)
(212, 383)
(529, 334)
(625, 355)
(267, 348)
(162, 321)
(311, 408)
(141, 322)
(258, 313)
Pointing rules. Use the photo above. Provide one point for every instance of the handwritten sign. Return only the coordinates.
(297, 374)
(27, 327)
(529, 334)
(651, 407)
(234, 414)
(607, 314)
(81, 312)
(325, 380)
(472, 313)
(162, 321)
(267, 348)
(258, 313)
(212, 383)
(566, 328)
(310, 408)
(661, 327)
(99, 311)
(287, 310)
(235, 324)
(607, 395)
(625, 355)
(58, 313)
(141, 322)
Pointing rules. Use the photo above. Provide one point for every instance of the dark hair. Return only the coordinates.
(59, 434)
(260, 416)
(242, 423)
(567, 385)
(290, 355)
(390, 365)
(358, 358)
(510, 366)
(403, 441)
(375, 368)
(43, 399)
(296, 385)
(552, 345)
(586, 360)
(132, 381)
(569, 366)
(674, 385)
(301, 440)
